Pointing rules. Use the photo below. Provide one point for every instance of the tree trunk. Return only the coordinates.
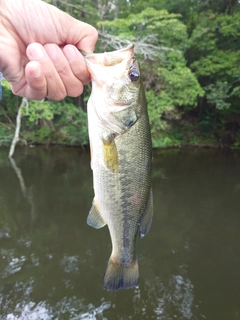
(18, 126)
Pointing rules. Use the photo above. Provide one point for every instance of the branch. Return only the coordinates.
(18, 125)
(70, 5)
(6, 126)
(147, 46)
(6, 116)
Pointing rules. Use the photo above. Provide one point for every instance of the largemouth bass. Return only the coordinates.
(121, 158)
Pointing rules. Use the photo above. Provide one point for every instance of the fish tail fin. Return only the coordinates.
(121, 276)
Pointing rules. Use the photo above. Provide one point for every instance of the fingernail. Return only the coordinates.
(36, 70)
(70, 53)
(36, 52)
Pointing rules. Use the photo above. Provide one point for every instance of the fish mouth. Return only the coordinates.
(87, 55)
(110, 58)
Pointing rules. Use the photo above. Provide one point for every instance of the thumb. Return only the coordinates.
(89, 39)
(81, 34)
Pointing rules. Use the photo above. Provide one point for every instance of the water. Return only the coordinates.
(52, 262)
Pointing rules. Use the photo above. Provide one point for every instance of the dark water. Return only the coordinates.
(52, 262)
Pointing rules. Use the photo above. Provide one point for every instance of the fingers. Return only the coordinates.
(77, 63)
(54, 73)
(54, 88)
(36, 87)
(70, 67)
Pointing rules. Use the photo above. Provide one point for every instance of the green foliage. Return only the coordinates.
(170, 33)
(217, 94)
(179, 83)
(236, 145)
(43, 121)
(5, 136)
(72, 126)
(69, 126)
(39, 110)
(214, 55)
(39, 135)
(8, 103)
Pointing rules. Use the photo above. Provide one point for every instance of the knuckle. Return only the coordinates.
(63, 70)
(75, 91)
(94, 33)
(57, 95)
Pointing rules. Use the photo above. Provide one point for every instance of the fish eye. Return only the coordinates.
(133, 75)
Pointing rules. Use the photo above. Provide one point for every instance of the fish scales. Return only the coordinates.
(121, 158)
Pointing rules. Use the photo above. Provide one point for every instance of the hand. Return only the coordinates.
(39, 53)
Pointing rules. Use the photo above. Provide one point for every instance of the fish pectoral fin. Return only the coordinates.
(94, 218)
(146, 220)
(110, 154)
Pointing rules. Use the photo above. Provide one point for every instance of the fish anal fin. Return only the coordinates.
(110, 155)
(121, 276)
(94, 218)
(146, 220)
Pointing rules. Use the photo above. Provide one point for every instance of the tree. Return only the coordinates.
(214, 57)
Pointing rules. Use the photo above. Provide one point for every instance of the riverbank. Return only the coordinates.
(47, 144)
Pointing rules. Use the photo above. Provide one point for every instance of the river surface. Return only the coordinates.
(52, 262)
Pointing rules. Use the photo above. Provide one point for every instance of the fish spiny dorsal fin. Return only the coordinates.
(146, 220)
(94, 218)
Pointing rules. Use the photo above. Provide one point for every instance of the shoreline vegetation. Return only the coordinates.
(189, 52)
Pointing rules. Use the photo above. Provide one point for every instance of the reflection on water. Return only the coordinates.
(52, 262)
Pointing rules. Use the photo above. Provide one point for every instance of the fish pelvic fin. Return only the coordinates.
(146, 220)
(95, 218)
(121, 276)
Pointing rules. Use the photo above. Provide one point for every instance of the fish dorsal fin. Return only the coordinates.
(94, 218)
(110, 154)
(146, 220)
